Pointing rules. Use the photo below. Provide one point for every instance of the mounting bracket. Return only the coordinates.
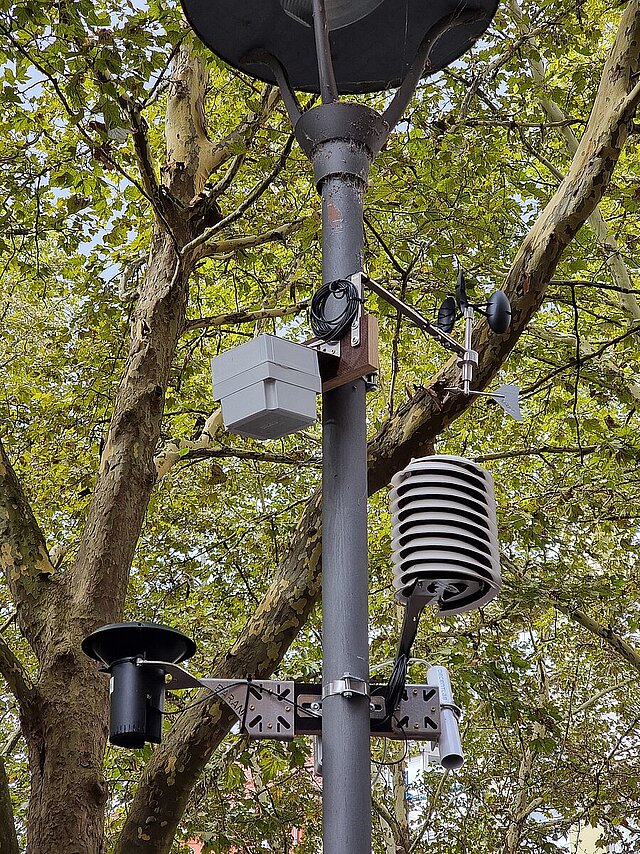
(282, 709)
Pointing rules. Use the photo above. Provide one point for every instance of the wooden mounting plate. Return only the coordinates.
(354, 362)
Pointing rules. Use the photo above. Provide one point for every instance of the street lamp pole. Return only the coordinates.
(345, 720)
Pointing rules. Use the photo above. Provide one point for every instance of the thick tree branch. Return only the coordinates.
(174, 450)
(24, 558)
(220, 152)
(173, 770)
(16, 677)
(614, 640)
(610, 247)
(252, 196)
(8, 837)
(256, 456)
(224, 248)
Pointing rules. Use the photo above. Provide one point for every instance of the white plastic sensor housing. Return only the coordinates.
(444, 536)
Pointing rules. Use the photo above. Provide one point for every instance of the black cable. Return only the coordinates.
(341, 291)
(213, 694)
(405, 752)
(395, 686)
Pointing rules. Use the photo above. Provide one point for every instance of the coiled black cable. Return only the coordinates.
(334, 328)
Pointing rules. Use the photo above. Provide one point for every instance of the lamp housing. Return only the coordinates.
(373, 43)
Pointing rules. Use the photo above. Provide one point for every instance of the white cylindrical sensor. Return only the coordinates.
(449, 744)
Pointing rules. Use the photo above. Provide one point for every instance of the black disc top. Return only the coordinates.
(152, 641)
(373, 43)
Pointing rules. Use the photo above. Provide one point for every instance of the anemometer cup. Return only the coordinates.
(499, 312)
(137, 688)
(447, 315)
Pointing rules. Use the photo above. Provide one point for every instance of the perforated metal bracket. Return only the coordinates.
(329, 348)
(284, 709)
(416, 717)
(265, 708)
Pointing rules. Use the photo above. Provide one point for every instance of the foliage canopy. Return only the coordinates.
(122, 143)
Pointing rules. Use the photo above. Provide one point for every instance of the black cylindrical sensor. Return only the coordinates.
(137, 688)
(137, 702)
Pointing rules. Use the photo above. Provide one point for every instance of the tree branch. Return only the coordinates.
(8, 837)
(246, 315)
(24, 558)
(16, 678)
(615, 641)
(608, 243)
(224, 248)
(251, 197)
(174, 450)
(533, 452)
(220, 152)
(257, 456)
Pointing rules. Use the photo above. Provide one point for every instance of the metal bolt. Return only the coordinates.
(415, 692)
(252, 708)
(347, 694)
(433, 708)
(287, 708)
(315, 706)
(372, 707)
(415, 726)
(269, 726)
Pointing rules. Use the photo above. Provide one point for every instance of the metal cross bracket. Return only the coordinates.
(283, 709)
(265, 708)
(416, 717)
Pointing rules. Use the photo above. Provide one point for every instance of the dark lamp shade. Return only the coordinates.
(151, 641)
(373, 42)
(340, 13)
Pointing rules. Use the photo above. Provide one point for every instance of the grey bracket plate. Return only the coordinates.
(417, 716)
(284, 709)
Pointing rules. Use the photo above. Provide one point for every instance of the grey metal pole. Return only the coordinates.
(345, 720)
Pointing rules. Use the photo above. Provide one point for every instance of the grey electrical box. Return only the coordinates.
(267, 387)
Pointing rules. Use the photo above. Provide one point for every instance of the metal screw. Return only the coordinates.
(415, 692)
(252, 708)
(433, 708)
(269, 726)
(287, 708)
(415, 726)
(347, 694)
(315, 706)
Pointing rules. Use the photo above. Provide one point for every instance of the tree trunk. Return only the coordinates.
(8, 838)
(66, 736)
(66, 728)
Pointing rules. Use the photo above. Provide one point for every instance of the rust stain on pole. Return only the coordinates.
(334, 215)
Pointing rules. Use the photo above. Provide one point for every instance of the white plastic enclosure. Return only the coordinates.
(267, 387)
